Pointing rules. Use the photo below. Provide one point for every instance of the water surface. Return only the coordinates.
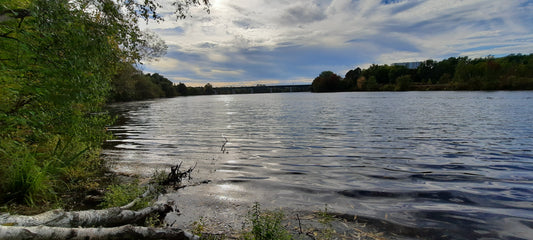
(459, 164)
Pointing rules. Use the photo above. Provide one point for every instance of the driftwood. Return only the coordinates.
(111, 223)
(89, 218)
(58, 224)
(123, 232)
(176, 176)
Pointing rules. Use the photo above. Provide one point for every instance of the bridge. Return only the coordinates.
(263, 89)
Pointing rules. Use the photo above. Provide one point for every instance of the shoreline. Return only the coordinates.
(212, 217)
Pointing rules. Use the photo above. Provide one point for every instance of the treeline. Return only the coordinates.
(57, 62)
(131, 84)
(513, 72)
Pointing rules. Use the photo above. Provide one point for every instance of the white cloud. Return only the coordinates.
(241, 38)
(164, 64)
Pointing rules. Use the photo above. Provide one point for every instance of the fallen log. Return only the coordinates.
(90, 218)
(123, 232)
(111, 223)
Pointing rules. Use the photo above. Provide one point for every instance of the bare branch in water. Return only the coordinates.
(223, 148)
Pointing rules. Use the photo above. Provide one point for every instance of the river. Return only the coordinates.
(458, 164)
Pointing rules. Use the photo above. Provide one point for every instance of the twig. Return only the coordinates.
(299, 224)
(223, 148)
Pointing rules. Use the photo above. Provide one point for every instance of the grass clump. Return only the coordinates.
(266, 225)
(121, 194)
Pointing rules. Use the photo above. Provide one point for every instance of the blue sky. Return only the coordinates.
(249, 42)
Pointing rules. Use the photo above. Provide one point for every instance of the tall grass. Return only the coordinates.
(36, 167)
(24, 180)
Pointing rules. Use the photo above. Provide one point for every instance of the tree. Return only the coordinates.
(380, 72)
(182, 89)
(403, 83)
(57, 59)
(353, 75)
(426, 71)
(166, 85)
(397, 71)
(327, 81)
(124, 82)
(208, 89)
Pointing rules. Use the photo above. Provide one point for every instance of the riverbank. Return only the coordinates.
(213, 217)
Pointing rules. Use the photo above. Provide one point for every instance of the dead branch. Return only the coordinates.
(223, 148)
(175, 176)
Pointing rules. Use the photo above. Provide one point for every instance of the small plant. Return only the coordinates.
(122, 194)
(266, 224)
(158, 181)
(326, 218)
(199, 227)
(154, 220)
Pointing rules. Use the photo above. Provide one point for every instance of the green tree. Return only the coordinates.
(123, 83)
(146, 89)
(403, 83)
(380, 72)
(353, 75)
(426, 71)
(327, 81)
(57, 59)
(397, 71)
(164, 84)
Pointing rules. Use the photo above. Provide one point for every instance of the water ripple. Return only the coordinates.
(441, 165)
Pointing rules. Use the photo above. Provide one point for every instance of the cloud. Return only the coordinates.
(302, 13)
(251, 40)
(164, 64)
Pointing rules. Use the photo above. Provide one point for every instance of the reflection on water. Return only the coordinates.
(458, 163)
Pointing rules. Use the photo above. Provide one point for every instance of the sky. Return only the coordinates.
(279, 42)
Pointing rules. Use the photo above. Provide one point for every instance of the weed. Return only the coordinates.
(199, 227)
(324, 216)
(154, 220)
(158, 181)
(326, 219)
(266, 224)
(120, 195)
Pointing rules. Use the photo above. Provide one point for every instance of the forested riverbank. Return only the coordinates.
(513, 72)
(131, 84)
(59, 60)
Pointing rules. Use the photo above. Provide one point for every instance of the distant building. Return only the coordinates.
(409, 65)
